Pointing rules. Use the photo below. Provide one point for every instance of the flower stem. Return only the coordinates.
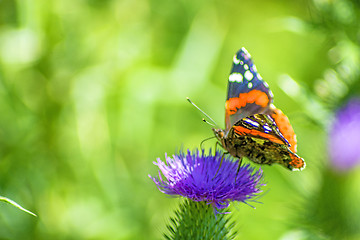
(197, 220)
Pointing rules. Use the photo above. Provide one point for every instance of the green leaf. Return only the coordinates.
(7, 200)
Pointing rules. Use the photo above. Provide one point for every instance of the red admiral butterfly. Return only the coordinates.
(255, 128)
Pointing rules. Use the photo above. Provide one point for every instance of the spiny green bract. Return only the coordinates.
(197, 220)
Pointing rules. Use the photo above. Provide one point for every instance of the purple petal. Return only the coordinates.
(344, 137)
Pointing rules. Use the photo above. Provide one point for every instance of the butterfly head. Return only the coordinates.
(219, 134)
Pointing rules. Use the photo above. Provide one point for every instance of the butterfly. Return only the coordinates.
(254, 127)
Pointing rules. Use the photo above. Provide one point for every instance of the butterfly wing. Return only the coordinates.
(284, 126)
(260, 126)
(248, 94)
(259, 138)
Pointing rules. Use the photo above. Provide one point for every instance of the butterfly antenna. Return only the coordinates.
(206, 121)
(213, 122)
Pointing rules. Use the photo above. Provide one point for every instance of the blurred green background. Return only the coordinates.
(93, 91)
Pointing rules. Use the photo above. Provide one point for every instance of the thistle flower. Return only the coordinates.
(344, 137)
(200, 177)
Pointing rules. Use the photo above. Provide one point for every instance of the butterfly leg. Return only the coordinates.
(219, 144)
(238, 168)
(221, 161)
(202, 142)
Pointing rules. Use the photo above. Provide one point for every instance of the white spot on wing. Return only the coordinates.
(235, 77)
(267, 128)
(251, 122)
(235, 60)
(254, 68)
(259, 77)
(266, 84)
(246, 52)
(248, 75)
(246, 67)
(250, 85)
(271, 94)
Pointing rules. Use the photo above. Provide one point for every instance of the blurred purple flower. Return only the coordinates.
(344, 137)
(199, 178)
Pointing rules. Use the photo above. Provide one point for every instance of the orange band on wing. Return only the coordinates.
(254, 96)
(285, 127)
(255, 133)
